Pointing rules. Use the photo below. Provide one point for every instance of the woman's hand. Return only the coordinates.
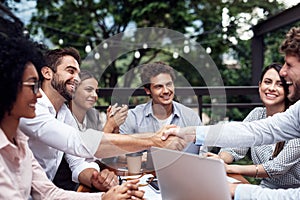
(115, 115)
(212, 155)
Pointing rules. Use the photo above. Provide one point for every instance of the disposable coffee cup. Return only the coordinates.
(134, 162)
(203, 151)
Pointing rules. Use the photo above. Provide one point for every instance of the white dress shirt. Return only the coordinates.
(51, 134)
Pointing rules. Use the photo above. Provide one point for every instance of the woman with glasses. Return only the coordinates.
(21, 176)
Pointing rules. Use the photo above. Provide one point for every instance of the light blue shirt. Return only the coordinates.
(141, 119)
(279, 127)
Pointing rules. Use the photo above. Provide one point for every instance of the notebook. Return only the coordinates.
(187, 176)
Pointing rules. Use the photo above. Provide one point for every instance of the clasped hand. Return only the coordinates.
(187, 134)
(128, 190)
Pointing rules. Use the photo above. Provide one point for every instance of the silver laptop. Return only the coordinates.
(187, 176)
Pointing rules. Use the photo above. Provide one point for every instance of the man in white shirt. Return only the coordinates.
(279, 127)
(52, 132)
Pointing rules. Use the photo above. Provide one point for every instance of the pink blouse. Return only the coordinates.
(22, 176)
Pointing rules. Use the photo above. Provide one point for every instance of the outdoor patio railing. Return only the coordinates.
(122, 95)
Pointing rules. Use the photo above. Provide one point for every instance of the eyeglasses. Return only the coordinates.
(148, 181)
(35, 86)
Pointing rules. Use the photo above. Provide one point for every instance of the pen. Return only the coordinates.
(120, 180)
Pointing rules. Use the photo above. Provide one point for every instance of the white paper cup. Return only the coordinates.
(203, 151)
(134, 163)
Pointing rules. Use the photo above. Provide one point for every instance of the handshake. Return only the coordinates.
(170, 137)
(174, 137)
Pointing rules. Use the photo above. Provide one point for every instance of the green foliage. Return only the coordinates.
(82, 22)
(93, 21)
(272, 44)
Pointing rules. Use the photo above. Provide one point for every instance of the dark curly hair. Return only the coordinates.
(153, 69)
(291, 44)
(15, 53)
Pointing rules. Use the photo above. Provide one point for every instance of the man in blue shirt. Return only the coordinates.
(282, 126)
(158, 81)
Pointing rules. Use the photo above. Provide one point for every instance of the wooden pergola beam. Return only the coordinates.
(273, 23)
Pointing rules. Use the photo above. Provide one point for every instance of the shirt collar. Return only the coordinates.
(3, 139)
(46, 101)
(149, 111)
(20, 138)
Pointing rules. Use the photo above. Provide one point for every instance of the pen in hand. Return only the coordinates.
(120, 180)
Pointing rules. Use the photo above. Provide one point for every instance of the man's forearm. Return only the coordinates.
(117, 144)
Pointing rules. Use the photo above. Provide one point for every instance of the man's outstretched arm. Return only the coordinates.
(117, 144)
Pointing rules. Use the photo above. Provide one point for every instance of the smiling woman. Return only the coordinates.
(277, 164)
(86, 116)
(13, 67)
(20, 61)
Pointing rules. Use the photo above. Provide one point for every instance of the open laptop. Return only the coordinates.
(187, 176)
(191, 148)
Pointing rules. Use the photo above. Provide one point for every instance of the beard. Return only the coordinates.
(296, 96)
(61, 88)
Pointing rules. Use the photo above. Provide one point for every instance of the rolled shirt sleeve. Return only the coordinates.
(77, 165)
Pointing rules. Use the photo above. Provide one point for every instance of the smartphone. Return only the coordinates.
(154, 186)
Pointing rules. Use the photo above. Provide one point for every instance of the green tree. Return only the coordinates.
(218, 25)
(80, 23)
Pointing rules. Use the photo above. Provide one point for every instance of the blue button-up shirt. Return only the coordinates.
(141, 119)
